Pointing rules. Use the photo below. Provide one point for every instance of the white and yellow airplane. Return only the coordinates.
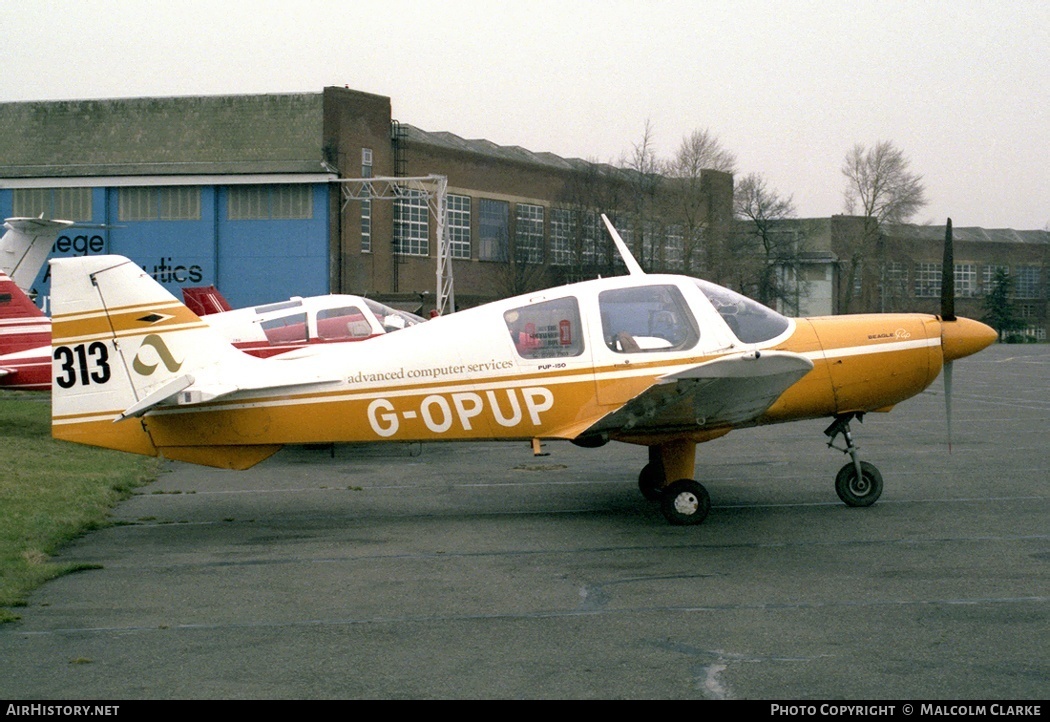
(658, 360)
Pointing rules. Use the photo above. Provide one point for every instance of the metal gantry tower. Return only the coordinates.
(432, 187)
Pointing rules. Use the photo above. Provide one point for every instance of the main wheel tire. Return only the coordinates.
(685, 502)
(864, 491)
(650, 481)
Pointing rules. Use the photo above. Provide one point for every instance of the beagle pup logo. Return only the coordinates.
(146, 362)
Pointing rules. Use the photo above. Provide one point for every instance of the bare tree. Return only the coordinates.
(643, 180)
(593, 188)
(774, 270)
(688, 210)
(701, 149)
(523, 272)
(880, 188)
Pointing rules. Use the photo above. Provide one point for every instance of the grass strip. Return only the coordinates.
(51, 492)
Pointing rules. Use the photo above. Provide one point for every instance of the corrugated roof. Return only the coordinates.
(973, 234)
(488, 149)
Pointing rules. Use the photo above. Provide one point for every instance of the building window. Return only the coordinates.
(270, 202)
(927, 280)
(1027, 282)
(988, 277)
(650, 244)
(528, 235)
(494, 229)
(627, 234)
(366, 226)
(674, 250)
(69, 204)
(894, 279)
(459, 225)
(965, 280)
(563, 230)
(159, 203)
(366, 204)
(411, 225)
(593, 241)
(291, 202)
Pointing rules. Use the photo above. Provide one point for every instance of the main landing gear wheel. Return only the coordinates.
(858, 491)
(685, 502)
(650, 481)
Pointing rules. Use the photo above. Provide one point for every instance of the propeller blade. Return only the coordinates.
(948, 316)
(948, 400)
(948, 275)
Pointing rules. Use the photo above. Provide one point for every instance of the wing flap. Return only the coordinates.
(729, 391)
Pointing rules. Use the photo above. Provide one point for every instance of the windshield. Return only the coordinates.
(390, 318)
(749, 320)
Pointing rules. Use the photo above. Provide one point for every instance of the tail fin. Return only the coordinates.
(122, 346)
(25, 245)
(204, 300)
(22, 324)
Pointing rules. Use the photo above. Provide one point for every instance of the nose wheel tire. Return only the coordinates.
(862, 491)
(685, 502)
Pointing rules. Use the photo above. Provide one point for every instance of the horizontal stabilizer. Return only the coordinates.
(25, 245)
(159, 396)
(205, 300)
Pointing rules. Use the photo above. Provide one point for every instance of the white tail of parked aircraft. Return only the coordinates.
(25, 245)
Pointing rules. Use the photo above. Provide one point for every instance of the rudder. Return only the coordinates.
(122, 344)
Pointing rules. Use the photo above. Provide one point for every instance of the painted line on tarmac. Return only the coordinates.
(543, 614)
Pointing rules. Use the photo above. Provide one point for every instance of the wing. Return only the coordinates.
(729, 391)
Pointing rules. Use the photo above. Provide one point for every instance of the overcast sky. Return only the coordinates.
(962, 87)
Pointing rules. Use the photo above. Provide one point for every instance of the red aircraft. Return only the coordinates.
(25, 340)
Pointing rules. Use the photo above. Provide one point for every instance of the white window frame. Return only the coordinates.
(528, 233)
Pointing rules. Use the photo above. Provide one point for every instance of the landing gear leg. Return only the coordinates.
(668, 478)
(653, 478)
(858, 483)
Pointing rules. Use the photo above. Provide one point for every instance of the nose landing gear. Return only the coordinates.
(858, 483)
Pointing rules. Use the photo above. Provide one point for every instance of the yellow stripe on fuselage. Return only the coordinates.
(857, 366)
(126, 321)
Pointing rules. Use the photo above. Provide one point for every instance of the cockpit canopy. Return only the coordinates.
(749, 320)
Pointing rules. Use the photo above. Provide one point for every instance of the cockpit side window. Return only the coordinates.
(749, 320)
(647, 319)
(339, 323)
(286, 329)
(549, 329)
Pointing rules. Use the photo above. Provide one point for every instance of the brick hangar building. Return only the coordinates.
(248, 193)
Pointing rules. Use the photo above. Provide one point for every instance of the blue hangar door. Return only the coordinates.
(271, 242)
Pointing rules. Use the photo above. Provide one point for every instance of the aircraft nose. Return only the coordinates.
(964, 336)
